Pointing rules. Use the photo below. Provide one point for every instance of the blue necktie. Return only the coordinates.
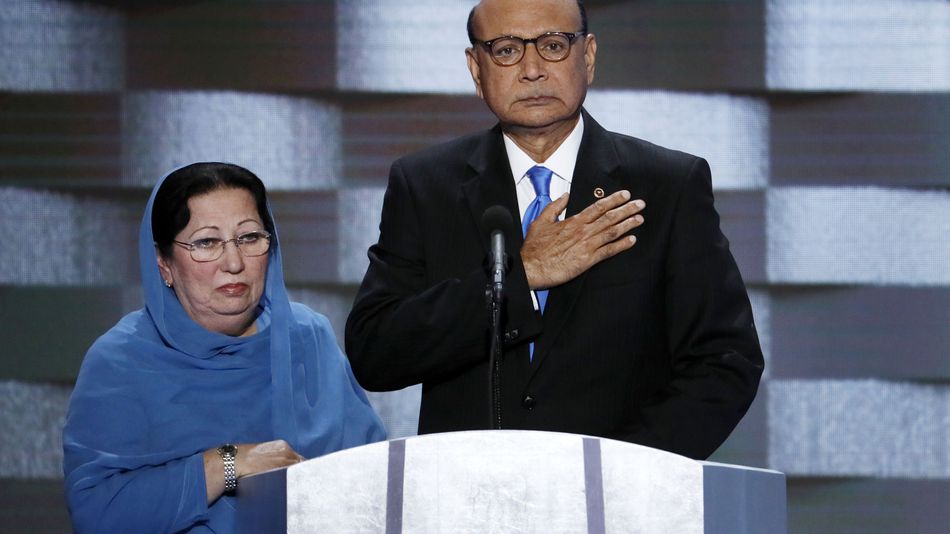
(541, 180)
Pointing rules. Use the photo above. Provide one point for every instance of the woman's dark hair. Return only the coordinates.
(170, 212)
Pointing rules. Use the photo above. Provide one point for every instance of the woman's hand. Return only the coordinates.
(251, 458)
(258, 457)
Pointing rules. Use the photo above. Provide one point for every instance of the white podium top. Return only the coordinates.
(512, 481)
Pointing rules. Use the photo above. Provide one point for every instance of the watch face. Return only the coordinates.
(228, 449)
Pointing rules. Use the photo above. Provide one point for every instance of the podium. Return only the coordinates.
(511, 481)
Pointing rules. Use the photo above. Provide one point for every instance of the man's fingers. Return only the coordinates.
(552, 210)
(618, 214)
(612, 233)
(582, 241)
(606, 211)
(598, 209)
(616, 247)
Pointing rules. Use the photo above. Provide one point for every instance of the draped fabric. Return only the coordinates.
(157, 390)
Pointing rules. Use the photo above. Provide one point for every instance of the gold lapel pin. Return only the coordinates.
(598, 192)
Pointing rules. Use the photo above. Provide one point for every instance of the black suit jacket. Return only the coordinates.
(654, 346)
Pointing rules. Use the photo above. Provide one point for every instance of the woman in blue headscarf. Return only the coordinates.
(218, 377)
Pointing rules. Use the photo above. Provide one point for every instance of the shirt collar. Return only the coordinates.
(561, 162)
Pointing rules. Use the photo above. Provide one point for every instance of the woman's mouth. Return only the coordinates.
(233, 290)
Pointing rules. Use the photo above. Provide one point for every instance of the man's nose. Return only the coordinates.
(532, 64)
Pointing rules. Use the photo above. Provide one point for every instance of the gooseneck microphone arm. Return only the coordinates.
(497, 220)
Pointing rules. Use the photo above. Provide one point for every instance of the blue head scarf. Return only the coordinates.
(158, 389)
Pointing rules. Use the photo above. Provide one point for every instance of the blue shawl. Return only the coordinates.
(157, 390)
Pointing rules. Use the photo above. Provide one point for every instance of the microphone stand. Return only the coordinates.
(497, 220)
(495, 293)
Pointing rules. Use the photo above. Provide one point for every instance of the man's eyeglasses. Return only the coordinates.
(211, 248)
(508, 50)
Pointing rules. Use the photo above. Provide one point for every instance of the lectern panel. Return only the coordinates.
(512, 481)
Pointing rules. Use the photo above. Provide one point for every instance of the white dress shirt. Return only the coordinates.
(561, 163)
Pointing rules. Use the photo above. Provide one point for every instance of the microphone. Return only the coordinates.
(498, 221)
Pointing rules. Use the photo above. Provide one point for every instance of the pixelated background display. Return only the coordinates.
(826, 123)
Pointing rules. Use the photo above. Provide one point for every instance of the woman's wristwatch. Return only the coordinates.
(228, 454)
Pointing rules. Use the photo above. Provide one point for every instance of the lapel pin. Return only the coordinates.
(598, 192)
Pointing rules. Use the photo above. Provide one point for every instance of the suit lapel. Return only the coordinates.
(597, 167)
(490, 183)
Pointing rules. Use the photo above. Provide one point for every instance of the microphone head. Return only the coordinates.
(497, 218)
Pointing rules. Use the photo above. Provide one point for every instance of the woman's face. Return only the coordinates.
(220, 295)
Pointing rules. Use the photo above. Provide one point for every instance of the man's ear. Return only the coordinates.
(475, 69)
(590, 55)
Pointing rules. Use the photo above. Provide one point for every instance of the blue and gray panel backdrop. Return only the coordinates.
(827, 125)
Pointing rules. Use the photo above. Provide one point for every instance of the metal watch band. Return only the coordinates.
(228, 454)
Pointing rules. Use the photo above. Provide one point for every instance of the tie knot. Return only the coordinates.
(541, 180)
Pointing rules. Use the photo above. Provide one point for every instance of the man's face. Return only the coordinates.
(534, 93)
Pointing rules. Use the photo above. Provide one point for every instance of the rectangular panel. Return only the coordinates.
(889, 140)
(309, 228)
(360, 211)
(247, 44)
(377, 131)
(748, 443)
(730, 132)
(742, 220)
(55, 45)
(862, 235)
(462, 482)
(873, 45)
(868, 506)
(69, 238)
(289, 142)
(33, 506)
(684, 45)
(407, 47)
(47, 330)
(51, 140)
(315, 502)
(859, 428)
(859, 332)
(31, 423)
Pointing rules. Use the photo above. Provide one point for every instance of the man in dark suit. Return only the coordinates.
(624, 314)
